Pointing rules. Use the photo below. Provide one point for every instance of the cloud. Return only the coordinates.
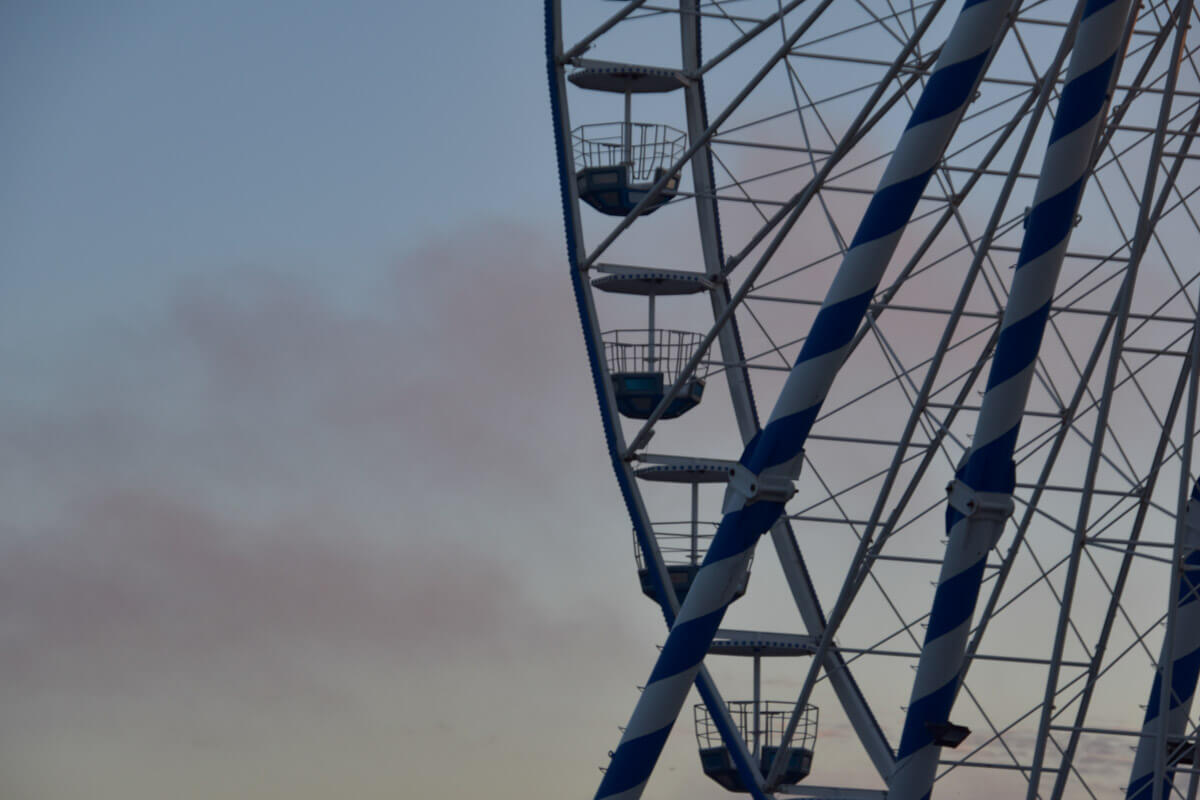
(275, 441)
(255, 511)
(172, 581)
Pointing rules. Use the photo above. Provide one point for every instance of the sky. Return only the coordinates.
(301, 498)
(305, 490)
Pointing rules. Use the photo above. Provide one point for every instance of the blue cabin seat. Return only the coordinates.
(681, 576)
(718, 765)
(639, 393)
(716, 760)
(609, 190)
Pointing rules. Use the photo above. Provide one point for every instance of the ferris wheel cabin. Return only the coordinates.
(644, 363)
(761, 723)
(619, 164)
(683, 546)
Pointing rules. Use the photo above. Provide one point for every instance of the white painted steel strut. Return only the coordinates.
(764, 480)
(980, 497)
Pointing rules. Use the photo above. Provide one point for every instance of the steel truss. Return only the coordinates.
(796, 116)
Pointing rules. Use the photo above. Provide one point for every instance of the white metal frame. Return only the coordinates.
(1107, 522)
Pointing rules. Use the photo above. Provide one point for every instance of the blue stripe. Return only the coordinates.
(784, 433)
(1096, 5)
(954, 601)
(890, 208)
(687, 644)
(991, 468)
(1184, 673)
(970, 3)
(740, 530)
(834, 326)
(953, 516)
(1189, 580)
(1141, 788)
(1049, 223)
(633, 762)
(1082, 99)
(1018, 346)
(748, 450)
(947, 90)
(933, 707)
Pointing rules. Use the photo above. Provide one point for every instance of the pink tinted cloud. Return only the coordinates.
(175, 584)
(290, 469)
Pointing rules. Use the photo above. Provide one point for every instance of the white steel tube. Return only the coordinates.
(1182, 652)
(937, 113)
(694, 556)
(981, 496)
(627, 131)
(650, 339)
(756, 747)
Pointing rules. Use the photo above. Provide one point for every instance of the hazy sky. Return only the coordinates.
(301, 500)
(305, 491)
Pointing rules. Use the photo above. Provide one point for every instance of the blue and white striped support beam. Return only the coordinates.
(1184, 652)
(981, 495)
(771, 461)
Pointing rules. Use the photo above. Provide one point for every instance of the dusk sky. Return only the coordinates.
(304, 491)
(306, 494)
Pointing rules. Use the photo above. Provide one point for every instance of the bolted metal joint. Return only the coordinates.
(980, 505)
(775, 484)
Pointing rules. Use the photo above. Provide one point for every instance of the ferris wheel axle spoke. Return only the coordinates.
(1169, 714)
(741, 187)
(583, 44)
(747, 36)
(786, 218)
(998, 736)
(836, 667)
(794, 83)
(1066, 706)
(951, 212)
(794, 206)
(853, 29)
(987, 476)
(992, 608)
(1144, 225)
(868, 551)
(863, 542)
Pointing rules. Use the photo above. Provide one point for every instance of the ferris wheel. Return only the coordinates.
(891, 310)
